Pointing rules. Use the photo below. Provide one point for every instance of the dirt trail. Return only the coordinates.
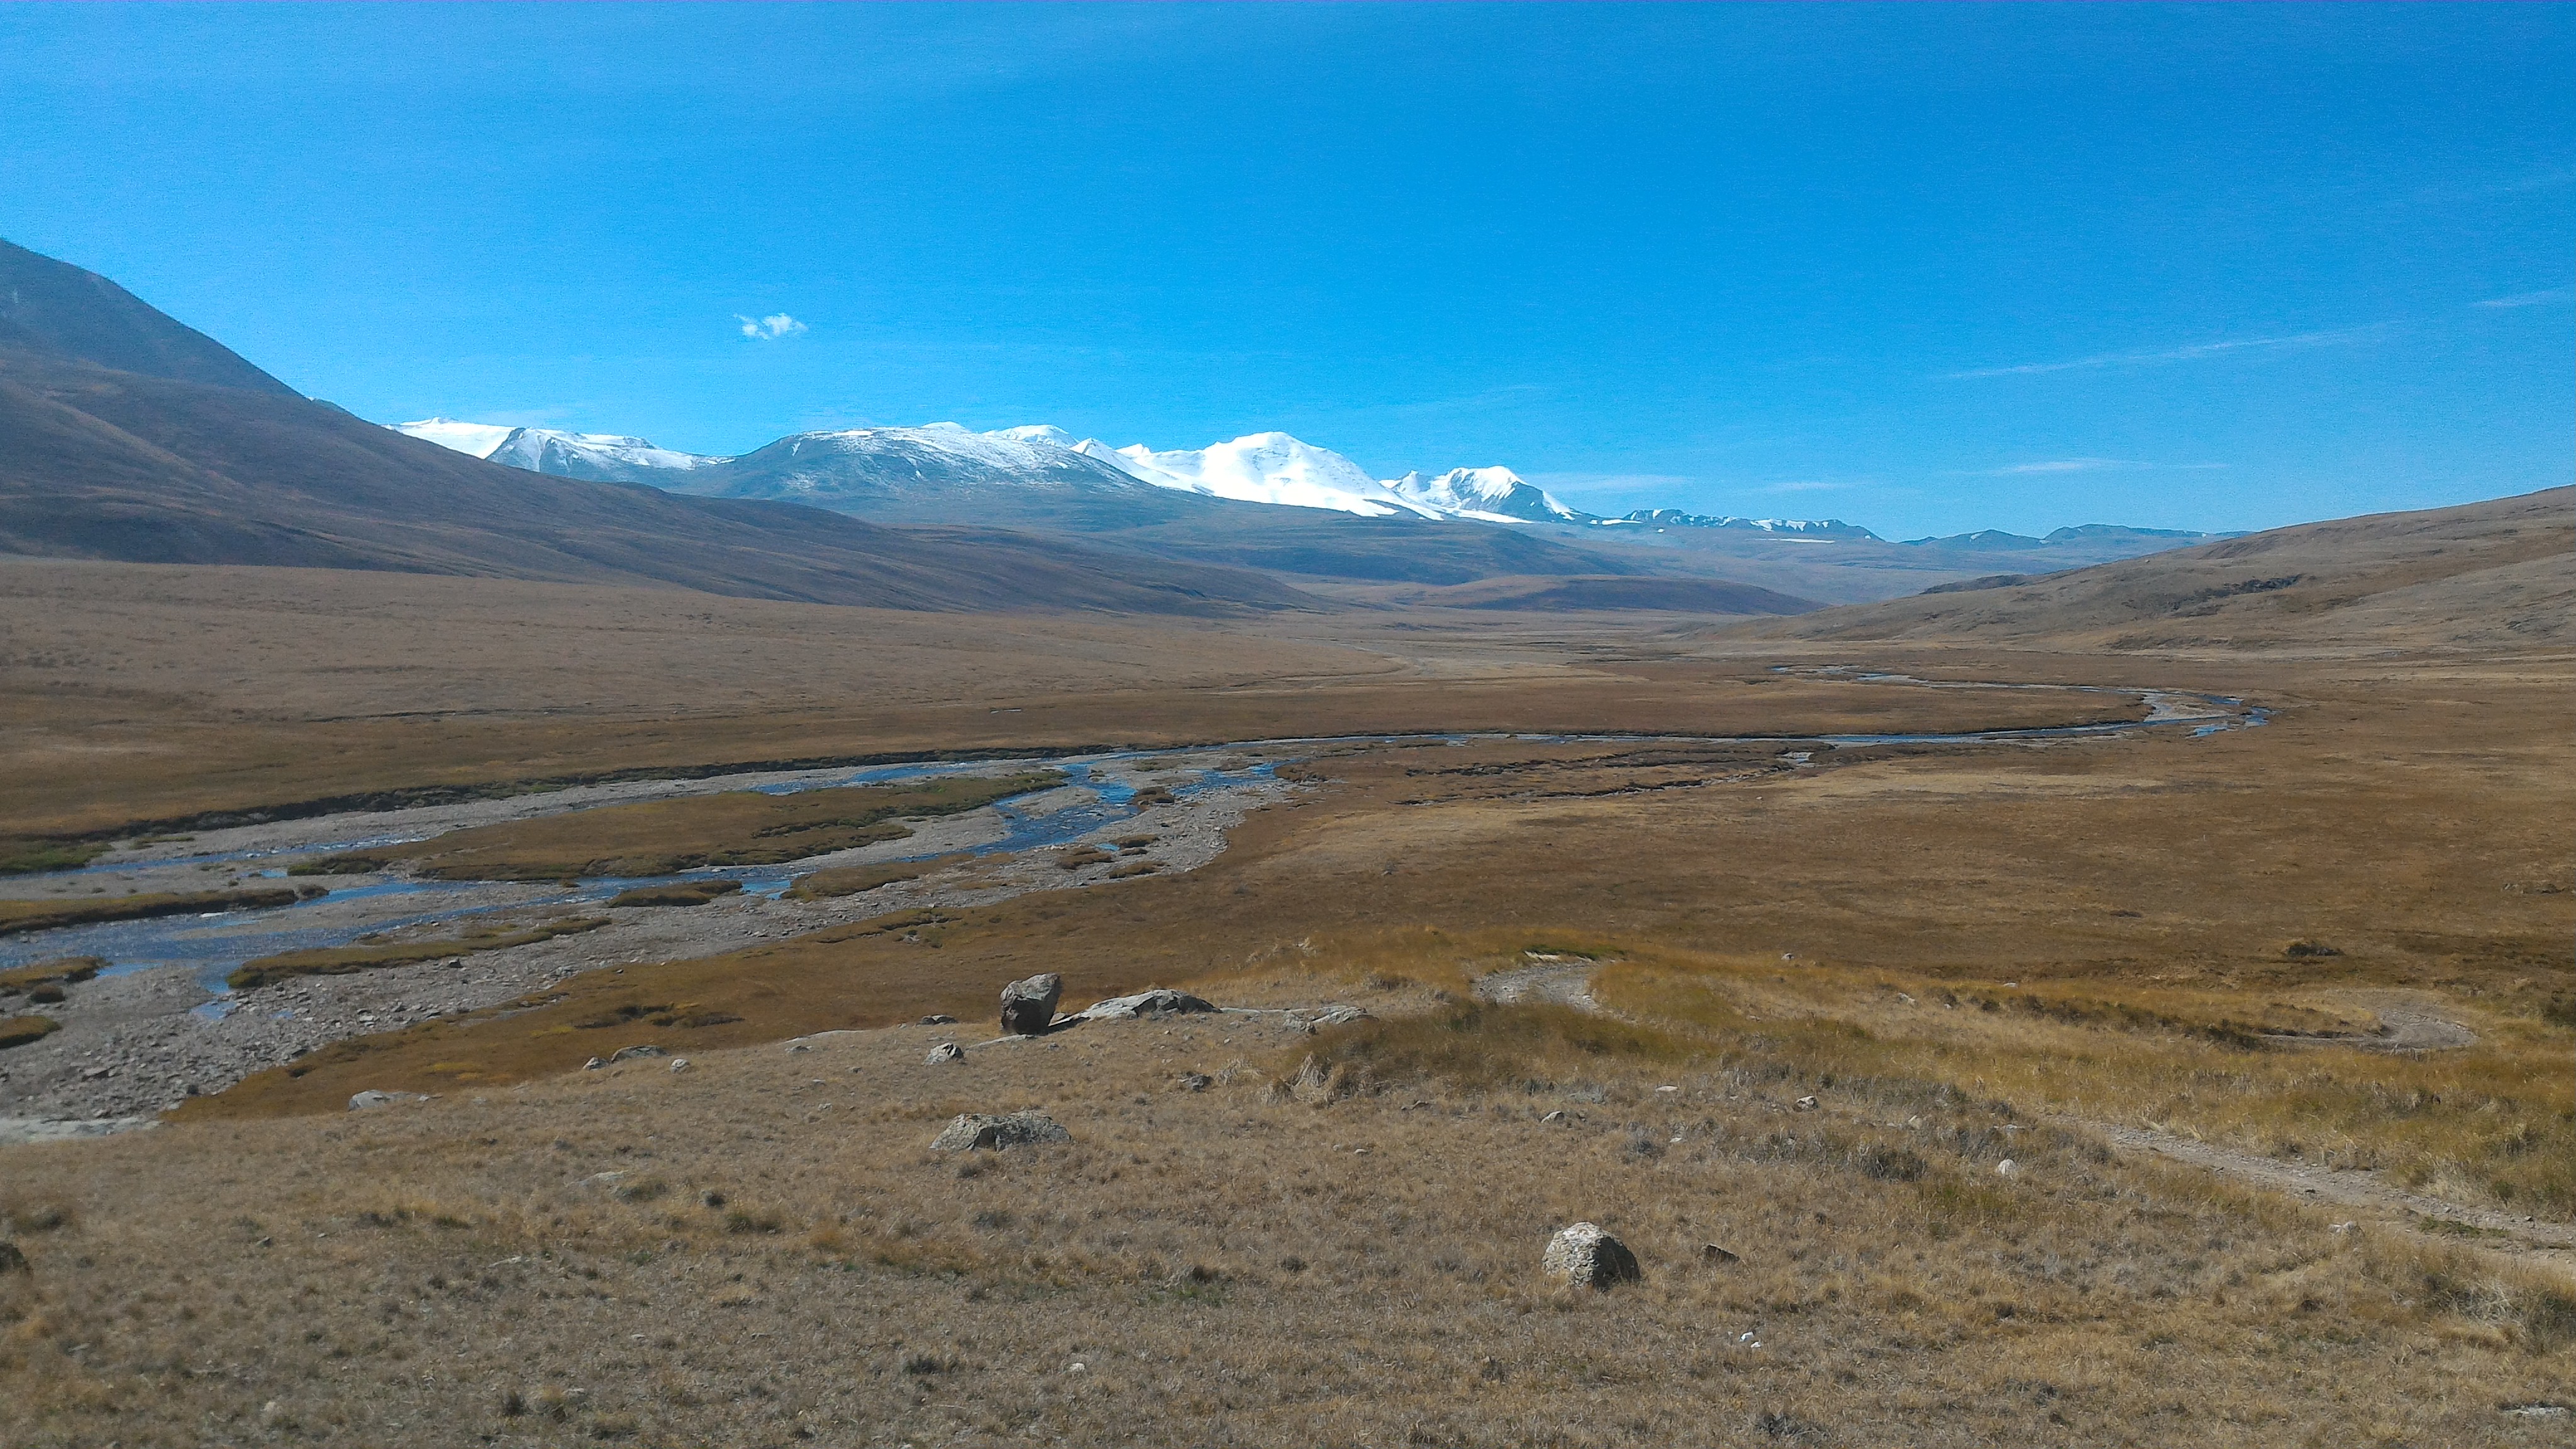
(2354, 1188)
(2409, 1028)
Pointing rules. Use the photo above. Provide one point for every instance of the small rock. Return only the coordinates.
(630, 1053)
(939, 1018)
(2006, 1168)
(373, 1098)
(1587, 1257)
(679, 1064)
(1668, 1089)
(1712, 1253)
(971, 1130)
(1342, 1015)
(12, 1260)
(1192, 1082)
(798, 1046)
(1028, 1007)
(1555, 1116)
(2340, 1228)
(947, 1051)
(1806, 1104)
(594, 1064)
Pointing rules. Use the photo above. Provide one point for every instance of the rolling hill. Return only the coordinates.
(2497, 573)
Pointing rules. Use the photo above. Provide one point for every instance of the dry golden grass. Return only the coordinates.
(760, 1250)
(852, 880)
(782, 1258)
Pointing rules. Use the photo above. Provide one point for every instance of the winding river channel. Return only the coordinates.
(160, 1021)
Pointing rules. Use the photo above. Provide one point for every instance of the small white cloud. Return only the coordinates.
(2533, 299)
(769, 328)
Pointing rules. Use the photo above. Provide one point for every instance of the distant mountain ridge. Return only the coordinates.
(126, 436)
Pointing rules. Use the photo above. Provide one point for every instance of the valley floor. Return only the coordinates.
(1868, 976)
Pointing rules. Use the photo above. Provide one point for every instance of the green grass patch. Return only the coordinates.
(665, 837)
(18, 916)
(342, 960)
(688, 893)
(20, 1030)
(62, 971)
(27, 857)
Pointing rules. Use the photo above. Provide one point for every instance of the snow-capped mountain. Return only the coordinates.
(947, 473)
(1496, 495)
(1271, 468)
(600, 457)
(1818, 529)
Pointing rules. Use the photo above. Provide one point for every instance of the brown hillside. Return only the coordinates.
(2493, 574)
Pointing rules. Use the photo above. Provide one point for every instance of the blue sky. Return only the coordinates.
(1922, 267)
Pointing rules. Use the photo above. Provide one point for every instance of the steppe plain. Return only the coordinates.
(2205, 994)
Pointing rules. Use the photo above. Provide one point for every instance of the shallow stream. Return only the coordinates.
(212, 945)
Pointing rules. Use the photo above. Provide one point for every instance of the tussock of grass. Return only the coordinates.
(20, 1030)
(18, 916)
(688, 893)
(665, 837)
(343, 960)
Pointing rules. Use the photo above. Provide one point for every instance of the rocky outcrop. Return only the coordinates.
(1586, 1256)
(947, 1051)
(1028, 1007)
(1015, 1129)
(1158, 1001)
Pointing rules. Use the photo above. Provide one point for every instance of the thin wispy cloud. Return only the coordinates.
(2193, 353)
(2083, 465)
(769, 328)
(2533, 299)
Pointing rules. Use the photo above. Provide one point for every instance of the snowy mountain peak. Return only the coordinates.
(611, 457)
(1496, 495)
(1270, 468)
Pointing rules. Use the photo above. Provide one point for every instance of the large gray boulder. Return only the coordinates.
(1014, 1129)
(1587, 1257)
(1158, 1001)
(1028, 1007)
